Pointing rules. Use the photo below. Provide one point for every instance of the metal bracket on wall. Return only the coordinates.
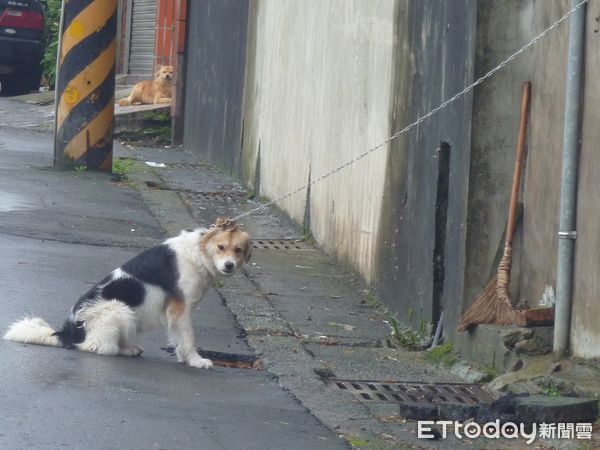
(568, 235)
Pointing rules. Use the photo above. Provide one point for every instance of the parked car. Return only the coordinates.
(21, 45)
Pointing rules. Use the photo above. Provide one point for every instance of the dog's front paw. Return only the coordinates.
(199, 362)
(132, 350)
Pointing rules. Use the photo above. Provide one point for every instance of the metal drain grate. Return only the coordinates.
(225, 195)
(231, 360)
(192, 166)
(377, 391)
(280, 244)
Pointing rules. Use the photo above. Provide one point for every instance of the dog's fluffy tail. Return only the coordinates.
(33, 331)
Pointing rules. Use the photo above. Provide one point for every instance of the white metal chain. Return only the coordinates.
(420, 119)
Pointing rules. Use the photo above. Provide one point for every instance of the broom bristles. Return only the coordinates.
(483, 309)
(494, 304)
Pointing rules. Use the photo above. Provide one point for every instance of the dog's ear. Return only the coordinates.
(220, 222)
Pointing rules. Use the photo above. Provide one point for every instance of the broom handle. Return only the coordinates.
(514, 196)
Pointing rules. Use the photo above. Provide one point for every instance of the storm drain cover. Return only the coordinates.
(192, 166)
(280, 244)
(219, 195)
(230, 360)
(394, 392)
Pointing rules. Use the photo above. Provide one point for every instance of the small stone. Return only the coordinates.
(511, 338)
(516, 365)
(532, 347)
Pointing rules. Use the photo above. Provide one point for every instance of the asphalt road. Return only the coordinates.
(61, 232)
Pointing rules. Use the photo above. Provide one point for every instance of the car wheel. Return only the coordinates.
(32, 79)
(21, 82)
(8, 85)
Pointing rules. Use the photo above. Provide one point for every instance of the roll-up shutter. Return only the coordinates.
(143, 36)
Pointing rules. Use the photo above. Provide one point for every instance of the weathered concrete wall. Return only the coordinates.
(324, 81)
(543, 169)
(543, 177)
(435, 57)
(318, 93)
(503, 26)
(348, 74)
(216, 44)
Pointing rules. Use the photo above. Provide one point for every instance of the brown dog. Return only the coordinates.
(152, 92)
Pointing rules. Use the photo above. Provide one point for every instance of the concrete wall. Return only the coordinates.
(586, 308)
(585, 333)
(318, 92)
(421, 256)
(325, 82)
(216, 45)
(543, 170)
(503, 26)
(313, 84)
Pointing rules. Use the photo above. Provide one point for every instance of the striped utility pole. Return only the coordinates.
(85, 85)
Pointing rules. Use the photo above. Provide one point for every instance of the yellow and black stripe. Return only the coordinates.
(86, 84)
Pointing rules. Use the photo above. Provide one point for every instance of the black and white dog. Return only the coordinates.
(158, 287)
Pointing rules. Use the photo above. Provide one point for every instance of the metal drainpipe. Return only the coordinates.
(568, 193)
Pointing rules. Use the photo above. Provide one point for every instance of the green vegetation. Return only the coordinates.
(156, 131)
(150, 135)
(356, 442)
(371, 299)
(385, 442)
(442, 354)
(52, 17)
(308, 237)
(408, 337)
(121, 168)
(158, 116)
(551, 389)
(489, 373)
(80, 168)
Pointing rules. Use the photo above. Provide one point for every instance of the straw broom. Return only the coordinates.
(494, 305)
